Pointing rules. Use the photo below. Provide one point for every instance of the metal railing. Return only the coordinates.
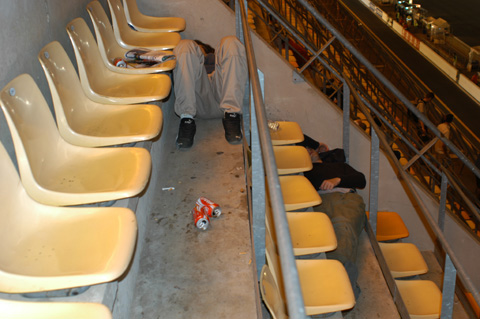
(324, 54)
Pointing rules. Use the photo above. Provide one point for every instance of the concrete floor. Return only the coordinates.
(186, 272)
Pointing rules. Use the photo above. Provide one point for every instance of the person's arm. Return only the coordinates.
(329, 175)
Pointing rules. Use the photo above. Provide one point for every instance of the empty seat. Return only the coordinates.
(311, 233)
(111, 50)
(48, 248)
(142, 22)
(324, 283)
(390, 226)
(292, 159)
(55, 172)
(298, 192)
(130, 39)
(105, 86)
(84, 122)
(422, 298)
(403, 259)
(52, 310)
(286, 133)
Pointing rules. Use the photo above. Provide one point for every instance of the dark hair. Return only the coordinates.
(429, 95)
(448, 118)
(206, 47)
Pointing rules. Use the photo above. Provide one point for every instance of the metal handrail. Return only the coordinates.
(291, 280)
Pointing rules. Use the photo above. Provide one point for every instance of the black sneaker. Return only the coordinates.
(186, 132)
(231, 124)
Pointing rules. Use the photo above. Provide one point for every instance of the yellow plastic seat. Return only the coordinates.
(84, 122)
(422, 298)
(390, 226)
(131, 39)
(48, 248)
(298, 192)
(10, 309)
(403, 259)
(111, 50)
(292, 159)
(144, 23)
(311, 233)
(55, 172)
(271, 295)
(286, 133)
(324, 283)
(105, 86)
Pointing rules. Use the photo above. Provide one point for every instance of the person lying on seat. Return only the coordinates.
(337, 182)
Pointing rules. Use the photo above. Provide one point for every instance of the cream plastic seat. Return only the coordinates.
(324, 283)
(271, 295)
(111, 50)
(105, 86)
(10, 309)
(130, 39)
(144, 23)
(292, 159)
(84, 122)
(298, 192)
(390, 226)
(48, 248)
(55, 172)
(286, 133)
(422, 298)
(403, 259)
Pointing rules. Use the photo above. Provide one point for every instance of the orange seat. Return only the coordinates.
(390, 226)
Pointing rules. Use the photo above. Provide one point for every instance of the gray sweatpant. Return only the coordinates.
(202, 95)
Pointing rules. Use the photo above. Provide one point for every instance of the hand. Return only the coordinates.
(331, 183)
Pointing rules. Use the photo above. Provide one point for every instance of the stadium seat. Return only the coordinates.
(390, 226)
(48, 248)
(422, 298)
(298, 192)
(131, 39)
(52, 310)
(111, 50)
(105, 86)
(403, 259)
(84, 122)
(55, 172)
(292, 159)
(324, 283)
(145, 23)
(286, 133)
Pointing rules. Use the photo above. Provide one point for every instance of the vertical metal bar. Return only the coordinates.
(346, 121)
(448, 292)
(374, 178)
(258, 194)
(443, 202)
(246, 112)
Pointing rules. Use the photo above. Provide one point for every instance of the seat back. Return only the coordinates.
(271, 295)
(70, 102)
(132, 13)
(53, 310)
(119, 21)
(92, 71)
(34, 133)
(107, 44)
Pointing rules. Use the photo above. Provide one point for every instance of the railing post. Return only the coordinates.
(443, 202)
(346, 121)
(448, 291)
(374, 178)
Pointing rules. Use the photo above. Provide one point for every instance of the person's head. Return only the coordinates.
(448, 118)
(206, 48)
(429, 96)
